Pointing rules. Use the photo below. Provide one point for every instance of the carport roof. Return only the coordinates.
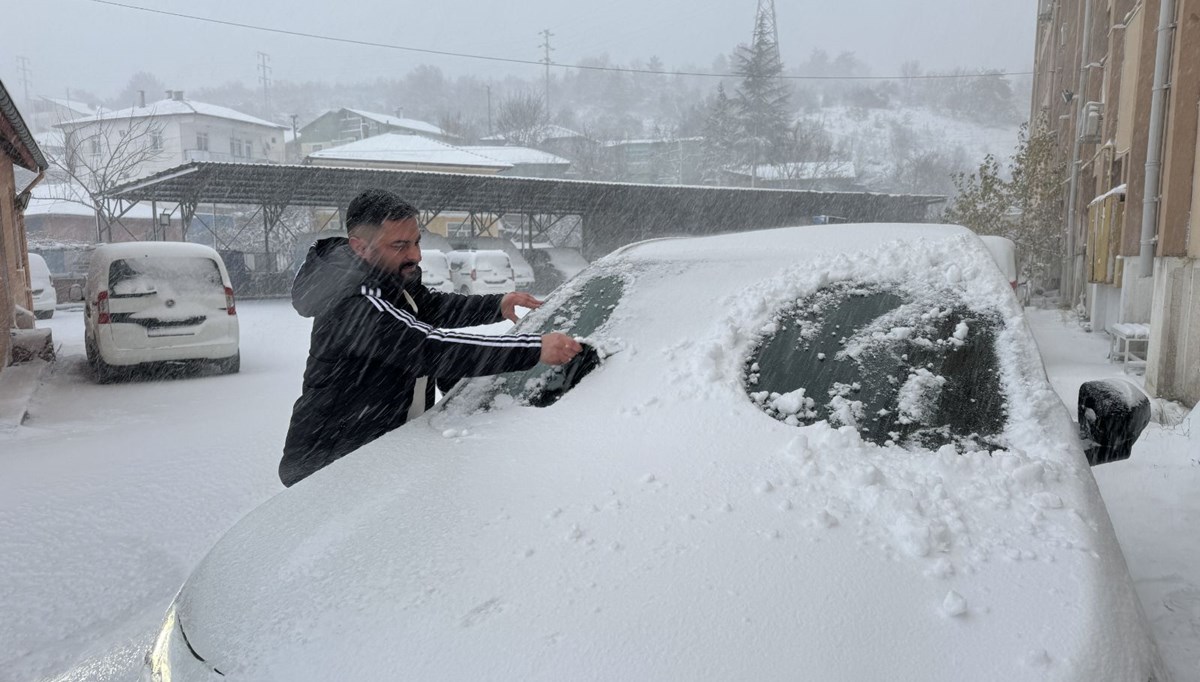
(304, 185)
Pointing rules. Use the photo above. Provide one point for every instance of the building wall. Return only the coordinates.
(14, 278)
(180, 141)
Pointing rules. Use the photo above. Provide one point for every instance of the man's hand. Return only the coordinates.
(508, 304)
(558, 348)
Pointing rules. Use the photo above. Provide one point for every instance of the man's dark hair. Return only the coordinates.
(369, 209)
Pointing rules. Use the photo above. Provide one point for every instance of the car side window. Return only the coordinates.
(915, 371)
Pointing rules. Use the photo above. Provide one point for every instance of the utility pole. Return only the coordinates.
(295, 141)
(546, 36)
(264, 78)
(489, 109)
(23, 68)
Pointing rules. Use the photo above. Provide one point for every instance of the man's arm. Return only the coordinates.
(457, 310)
(394, 336)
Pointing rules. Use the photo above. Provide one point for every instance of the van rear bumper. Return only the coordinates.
(130, 344)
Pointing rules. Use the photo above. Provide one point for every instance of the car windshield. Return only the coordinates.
(581, 313)
(917, 371)
(180, 274)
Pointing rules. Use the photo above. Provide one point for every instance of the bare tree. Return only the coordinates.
(101, 154)
(522, 119)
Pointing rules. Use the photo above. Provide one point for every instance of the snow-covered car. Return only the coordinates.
(151, 302)
(523, 275)
(827, 453)
(45, 298)
(435, 270)
(481, 272)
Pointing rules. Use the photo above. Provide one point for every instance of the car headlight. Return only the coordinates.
(173, 659)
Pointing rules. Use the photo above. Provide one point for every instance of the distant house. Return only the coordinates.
(810, 175)
(407, 152)
(153, 137)
(342, 126)
(552, 138)
(21, 167)
(49, 112)
(661, 161)
(525, 162)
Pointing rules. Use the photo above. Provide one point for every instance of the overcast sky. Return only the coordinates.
(83, 44)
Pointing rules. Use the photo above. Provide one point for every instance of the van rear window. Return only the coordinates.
(130, 277)
(492, 261)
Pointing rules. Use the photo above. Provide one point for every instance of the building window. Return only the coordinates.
(235, 147)
(95, 145)
(156, 141)
(202, 141)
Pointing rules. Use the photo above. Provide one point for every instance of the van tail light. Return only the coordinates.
(472, 274)
(102, 314)
(229, 306)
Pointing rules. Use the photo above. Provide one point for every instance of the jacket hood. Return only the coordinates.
(331, 272)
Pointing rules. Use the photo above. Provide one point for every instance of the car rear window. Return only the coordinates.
(915, 371)
(182, 275)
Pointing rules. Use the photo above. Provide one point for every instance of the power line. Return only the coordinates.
(531, 62)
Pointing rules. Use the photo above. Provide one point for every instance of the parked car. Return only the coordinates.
(553, 266)
(828, 453)
(481, 272)
(435, 270)
(523, 274)
(45, 298)
(151, 302)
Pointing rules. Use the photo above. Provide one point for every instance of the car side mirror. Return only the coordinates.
(1112, 414)
(75, 295)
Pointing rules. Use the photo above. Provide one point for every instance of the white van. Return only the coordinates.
(435, 271)
(155, 302)
(481, 272)
(42, 287)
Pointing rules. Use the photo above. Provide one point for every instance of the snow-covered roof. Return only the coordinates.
(54, 138)
(174, 107)
(518, 155)
(547, 132)
(408, 149)
(400, 122)
(70, 199)
(78, 107)
(799, 170)
(623, 143)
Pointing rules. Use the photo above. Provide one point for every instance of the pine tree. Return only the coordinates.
(720, 136)
(762, 99)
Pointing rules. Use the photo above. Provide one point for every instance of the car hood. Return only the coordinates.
(655, 524)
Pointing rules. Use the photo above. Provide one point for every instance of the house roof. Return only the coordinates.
(518, 155)
(79, 108)
(799, 170)
(173, 107)
(399, 122)
(16, 140)
(408, 149)
(623, 143)
(548, 132)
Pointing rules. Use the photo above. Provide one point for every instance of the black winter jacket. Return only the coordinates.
(369, 348)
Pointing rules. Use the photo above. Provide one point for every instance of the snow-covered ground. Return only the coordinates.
(110, 495)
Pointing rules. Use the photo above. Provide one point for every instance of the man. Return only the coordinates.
(379, 337)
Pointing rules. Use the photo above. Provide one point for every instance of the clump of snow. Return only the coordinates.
(918, 394)
(954, 605)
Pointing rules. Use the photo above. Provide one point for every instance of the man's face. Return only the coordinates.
(395, 248)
